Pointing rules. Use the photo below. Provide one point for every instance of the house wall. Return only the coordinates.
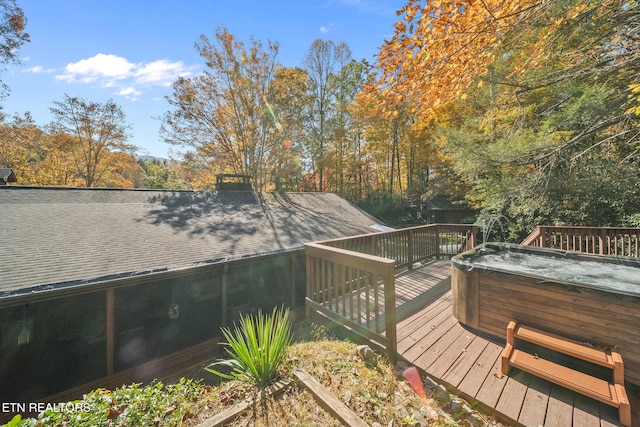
(64, 345)
(155, 319)
(134, 329)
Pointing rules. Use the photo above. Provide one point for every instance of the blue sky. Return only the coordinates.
(132, 50)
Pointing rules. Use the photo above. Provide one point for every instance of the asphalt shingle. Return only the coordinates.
(59, 235)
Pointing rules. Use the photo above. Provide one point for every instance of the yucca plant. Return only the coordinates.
(256, 348)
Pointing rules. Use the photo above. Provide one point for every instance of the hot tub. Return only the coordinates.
(590, 298)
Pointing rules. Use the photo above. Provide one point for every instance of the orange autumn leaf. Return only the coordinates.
(440, 48)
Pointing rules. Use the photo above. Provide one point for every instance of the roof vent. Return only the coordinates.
(7, 176)
(231, 181)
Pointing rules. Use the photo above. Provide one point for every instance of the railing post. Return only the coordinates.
(310, 274)
(110, 329)
(410, 249)
(374, 243)
(225, 293)
(474, 233)
(390, 313)
(468, 242)
(543, 237)
(437, 238)
(292, 280)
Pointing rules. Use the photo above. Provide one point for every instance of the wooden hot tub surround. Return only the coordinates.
(488, 299)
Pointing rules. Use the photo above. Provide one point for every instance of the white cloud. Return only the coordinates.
(129, 92)
(161, 72)
(37, 69)
(99, 67)
(106, 70)
(324, 29)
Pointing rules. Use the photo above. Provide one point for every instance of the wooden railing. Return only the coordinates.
(410, 245)
(351, 281)
(355, 286)
(593, 240)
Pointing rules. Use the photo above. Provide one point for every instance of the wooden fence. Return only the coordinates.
(351, 281)
(410, 245)
(356, 290)
(593, 240)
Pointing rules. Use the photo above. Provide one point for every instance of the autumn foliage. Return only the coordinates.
(525, 109)
(441, 47)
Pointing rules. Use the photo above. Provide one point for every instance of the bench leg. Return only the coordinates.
(508, 348)
(506, 355)
(625, 415)
(618, 368)
(511, 330)
(624, 410)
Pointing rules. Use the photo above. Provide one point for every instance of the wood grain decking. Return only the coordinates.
(468, 363)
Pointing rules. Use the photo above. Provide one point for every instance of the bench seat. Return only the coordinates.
(611, 393)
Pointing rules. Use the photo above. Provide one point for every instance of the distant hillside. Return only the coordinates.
(147, 157)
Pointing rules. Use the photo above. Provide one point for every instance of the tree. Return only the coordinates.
(344, 136)
(41, 159)
(156, 173)
(541, 133)
(21, 147)
(533, 105)
(94, 132)
(225, 113)
(123, 172)
(12, 34)
(289, 100)
(57, 164)
(441, 47)
(323, 59)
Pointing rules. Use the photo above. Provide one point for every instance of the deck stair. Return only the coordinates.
(610, 393)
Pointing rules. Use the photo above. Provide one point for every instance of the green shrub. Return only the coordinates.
(257, 348)
(131, 405)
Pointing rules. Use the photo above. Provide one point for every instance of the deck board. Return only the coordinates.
(585, 412)
(535, 402)
(426, 337)
(433, 340)
(437, 343)
(465, 362)
(513, 394)
(483, 368)
(448, 352)
(492, 386)
(559, 407)
(411, 329)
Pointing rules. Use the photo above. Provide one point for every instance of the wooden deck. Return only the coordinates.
(468, 363)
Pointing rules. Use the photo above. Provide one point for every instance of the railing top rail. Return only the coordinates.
(399, 230)
(580, 228)
(370, 263)
(535, 234)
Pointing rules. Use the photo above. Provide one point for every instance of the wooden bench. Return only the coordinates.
(611, 393)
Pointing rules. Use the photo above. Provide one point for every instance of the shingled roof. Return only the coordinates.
(6, 176)
(56, 236)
